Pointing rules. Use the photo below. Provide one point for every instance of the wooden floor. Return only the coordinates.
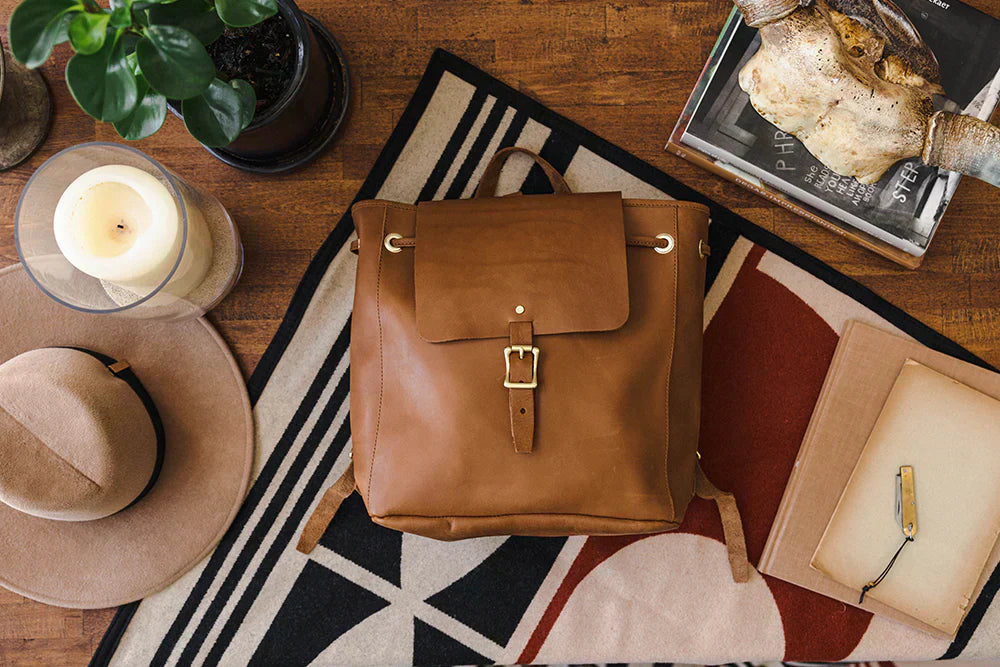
(621, 69)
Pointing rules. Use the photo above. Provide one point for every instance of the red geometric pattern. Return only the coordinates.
(766, 345)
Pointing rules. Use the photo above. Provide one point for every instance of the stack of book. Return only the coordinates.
(887, 403)
(896, 217)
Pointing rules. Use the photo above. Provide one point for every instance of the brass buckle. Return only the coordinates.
(521, 349)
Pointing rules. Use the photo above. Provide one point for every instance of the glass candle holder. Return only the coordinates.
(104, 228)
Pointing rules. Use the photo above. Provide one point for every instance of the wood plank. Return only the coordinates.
(36, 620)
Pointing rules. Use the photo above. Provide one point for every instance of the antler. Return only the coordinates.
(761, 12)
(964, 144)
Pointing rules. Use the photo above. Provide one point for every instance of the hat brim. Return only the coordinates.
(199, 391)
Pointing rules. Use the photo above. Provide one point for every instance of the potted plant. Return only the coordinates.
(135, 58)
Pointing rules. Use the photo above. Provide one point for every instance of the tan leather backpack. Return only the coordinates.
(528, 365)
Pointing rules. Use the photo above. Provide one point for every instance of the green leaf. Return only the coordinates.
(215, 117)
(87, 32)
(146, 4)
(196, 16)
(129, 40)
(121, 4)
(36, 26)
(102, 83)
(243, 13)
(174, 62)
(62, 33)
(248, 101)
(148, 115)
(121, 17)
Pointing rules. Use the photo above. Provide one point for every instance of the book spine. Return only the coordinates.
(894, 254)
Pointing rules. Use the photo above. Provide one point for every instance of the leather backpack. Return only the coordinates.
(528, 365)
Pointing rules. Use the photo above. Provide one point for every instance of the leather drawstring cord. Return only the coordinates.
(872, 584)
(632, 241)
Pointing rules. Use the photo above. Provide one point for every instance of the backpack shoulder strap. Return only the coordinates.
(732, 525)
(326, 509)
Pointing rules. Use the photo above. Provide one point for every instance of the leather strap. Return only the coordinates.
(521, 401)
(732, 525)
(491, 175)
(326, 510)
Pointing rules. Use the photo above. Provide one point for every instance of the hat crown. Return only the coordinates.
(76, 442)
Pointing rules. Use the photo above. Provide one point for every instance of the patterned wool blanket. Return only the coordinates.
(371, 595)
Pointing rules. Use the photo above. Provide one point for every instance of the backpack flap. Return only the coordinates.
(557, 262)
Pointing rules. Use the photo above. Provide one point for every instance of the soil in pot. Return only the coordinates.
(263, 55)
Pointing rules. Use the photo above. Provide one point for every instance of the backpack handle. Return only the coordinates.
(491, 175)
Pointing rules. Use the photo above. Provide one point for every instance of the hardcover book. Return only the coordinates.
(861, 376)
(897, 216)
(948, 435)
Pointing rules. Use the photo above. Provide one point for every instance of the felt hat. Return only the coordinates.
(126, 448)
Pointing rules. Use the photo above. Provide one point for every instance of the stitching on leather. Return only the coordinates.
(657, 203)
(381, 365)
(382, 203)
(646, 242)
(631, 203)
(670, 370)
(522, 514)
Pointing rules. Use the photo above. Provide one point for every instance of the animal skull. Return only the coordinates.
(853, 81)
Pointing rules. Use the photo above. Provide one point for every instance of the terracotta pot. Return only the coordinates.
(306, 117)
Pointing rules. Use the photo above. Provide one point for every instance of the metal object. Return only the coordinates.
(906, 515)
(519, 309)
(906, 501)
(670, 244)
(521, 349)
(118, 367)
(389, 238)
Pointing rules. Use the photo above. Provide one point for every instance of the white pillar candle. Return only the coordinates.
(121, 225)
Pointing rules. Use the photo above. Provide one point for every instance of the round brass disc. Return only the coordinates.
(25, 111)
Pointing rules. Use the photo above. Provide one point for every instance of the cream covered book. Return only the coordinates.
(949, 434)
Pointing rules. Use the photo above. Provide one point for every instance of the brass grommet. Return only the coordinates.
(389, 238)
(519, 309)
(670, 243)
(704, 250)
